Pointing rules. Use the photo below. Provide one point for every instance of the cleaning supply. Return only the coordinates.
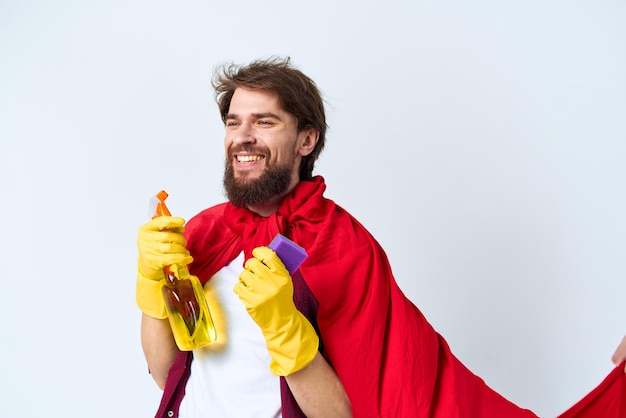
(187, 308)
(291, 254)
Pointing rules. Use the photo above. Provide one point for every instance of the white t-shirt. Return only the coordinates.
(231, 378)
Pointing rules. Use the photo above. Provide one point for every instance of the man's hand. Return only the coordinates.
(620, 353)
(160, 243)
(266, 289)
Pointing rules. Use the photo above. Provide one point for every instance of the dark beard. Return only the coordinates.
(242, 192)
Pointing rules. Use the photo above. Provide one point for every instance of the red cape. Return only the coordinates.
(390, 359)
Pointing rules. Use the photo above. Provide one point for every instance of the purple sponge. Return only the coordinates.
(291, 254)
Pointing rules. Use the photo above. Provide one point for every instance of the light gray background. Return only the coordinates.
(483, 143)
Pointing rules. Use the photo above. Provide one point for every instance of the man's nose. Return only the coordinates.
(244, 134)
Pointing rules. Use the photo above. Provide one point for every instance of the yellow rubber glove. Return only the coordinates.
(266, 289)
(160, 243)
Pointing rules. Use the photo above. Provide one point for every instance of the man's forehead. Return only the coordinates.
(255, 101)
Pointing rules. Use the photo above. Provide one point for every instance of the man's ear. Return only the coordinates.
(308, 138)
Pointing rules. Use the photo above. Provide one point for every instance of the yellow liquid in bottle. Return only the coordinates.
(188, 313)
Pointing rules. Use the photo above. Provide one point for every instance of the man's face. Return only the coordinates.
(263, 148)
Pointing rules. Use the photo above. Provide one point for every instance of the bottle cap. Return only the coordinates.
(157, 205)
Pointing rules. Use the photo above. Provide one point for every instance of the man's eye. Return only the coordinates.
(231, 123)
(265, 122)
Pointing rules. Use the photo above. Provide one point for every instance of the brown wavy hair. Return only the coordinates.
(297, 94)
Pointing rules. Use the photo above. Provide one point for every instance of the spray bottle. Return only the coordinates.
(187, 308)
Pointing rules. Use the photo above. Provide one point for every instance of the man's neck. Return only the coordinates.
(265, 209)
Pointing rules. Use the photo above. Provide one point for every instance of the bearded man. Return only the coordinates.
(335, 338)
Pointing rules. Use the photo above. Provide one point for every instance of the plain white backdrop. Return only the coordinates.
(483, 143)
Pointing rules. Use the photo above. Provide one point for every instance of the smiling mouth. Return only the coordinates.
(248, 158)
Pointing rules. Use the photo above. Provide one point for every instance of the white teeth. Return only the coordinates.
(248, 158)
